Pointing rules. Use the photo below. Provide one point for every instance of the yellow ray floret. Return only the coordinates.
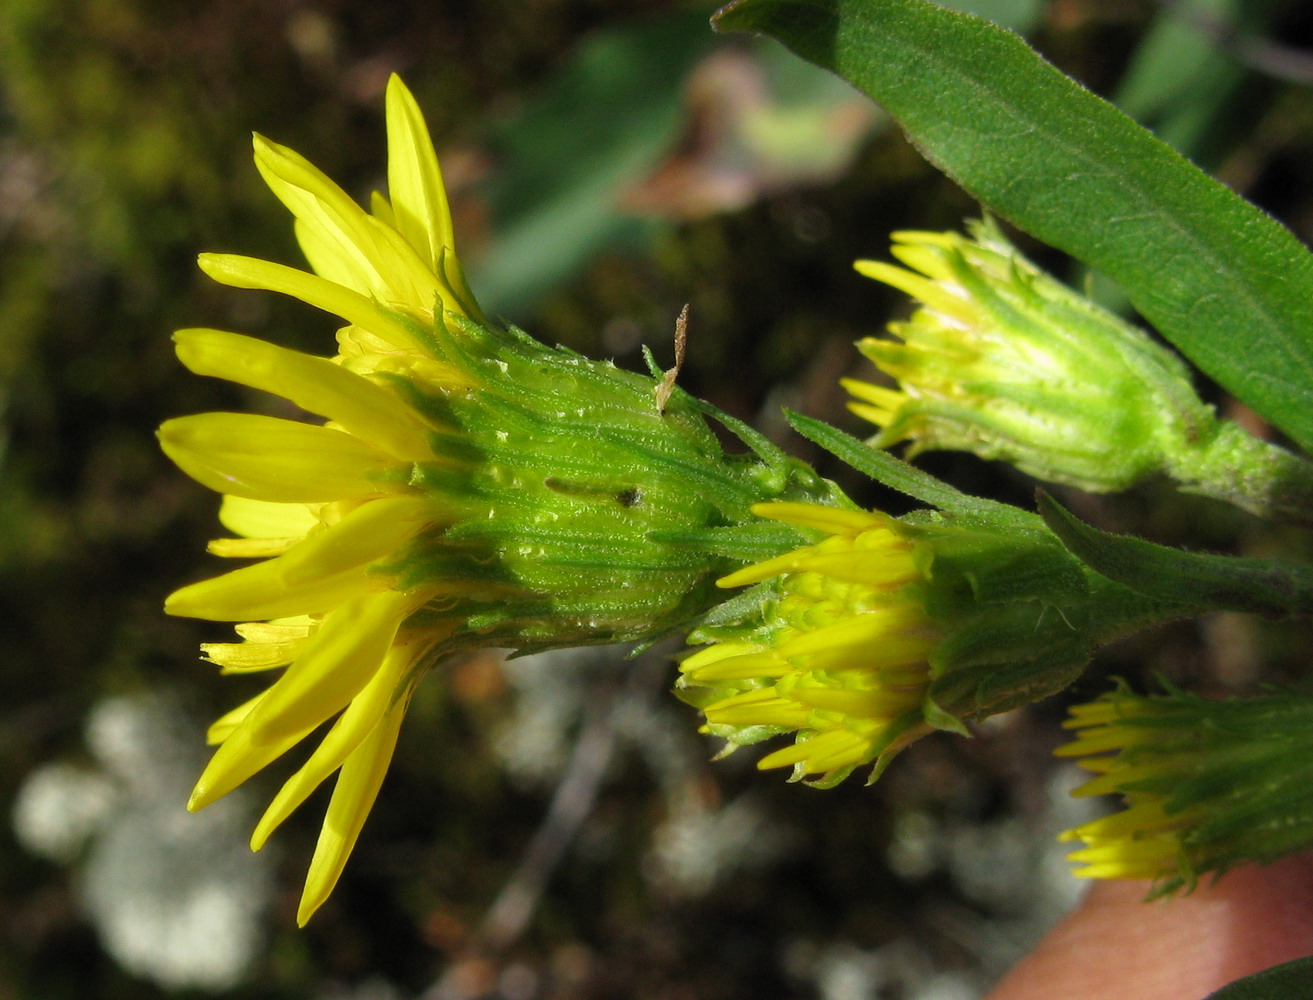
(329, 510)
(322, 293)
(282, 461)
(419, 198)
(353, 403)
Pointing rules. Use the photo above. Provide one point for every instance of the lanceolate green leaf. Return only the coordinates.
(892, 472)
(1190, 579)
(1224, 282)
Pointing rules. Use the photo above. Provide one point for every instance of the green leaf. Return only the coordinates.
(885, 468)
(1227, 284)
(907, 479)
(1206, 582)
(1289, 981)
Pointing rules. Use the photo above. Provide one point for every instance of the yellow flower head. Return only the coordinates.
(886, 628)
(1207, 784)
(1002, 360)
(467, 487)
(840, 657)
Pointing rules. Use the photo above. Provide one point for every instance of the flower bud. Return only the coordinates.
(1002, 360)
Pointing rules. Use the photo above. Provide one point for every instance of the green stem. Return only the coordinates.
(1255, 475)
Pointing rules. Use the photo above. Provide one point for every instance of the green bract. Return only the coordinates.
(588, 510)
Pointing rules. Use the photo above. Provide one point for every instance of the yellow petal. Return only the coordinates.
(224, 726)
(927, 260)
(887, 652)
(758, 708)
(763, 570)
(831, 520)
(437, 375)
(418, 197)
(260, 591)
(821, 753)
(350, 730)
(249, 548)
(877, 704)
(1149, 858)
(703, 658)
(324, 259)
(337, 662)
(741, 668)
(949, 241)
(381, 209)
(934, 295)
(1143, 820)
(850, 752)
(880, 417)
(318, 573)
(238, 759)
(413, 282)
(361, 408)
(1103, 712)
(369, 532)
(1102, 739)
(878, 395)
(881, 569)
(281, 630)
(247, 657)
(337, 223)
(372, 254)
(261, 519)
(282, 461)
(357, 787)
(1115, 779)
(854, 635)
(352, 306)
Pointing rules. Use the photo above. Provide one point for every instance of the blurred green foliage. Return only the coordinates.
(609, 161)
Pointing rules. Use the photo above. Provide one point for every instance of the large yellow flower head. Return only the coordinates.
(468, 487)
(324, 505)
